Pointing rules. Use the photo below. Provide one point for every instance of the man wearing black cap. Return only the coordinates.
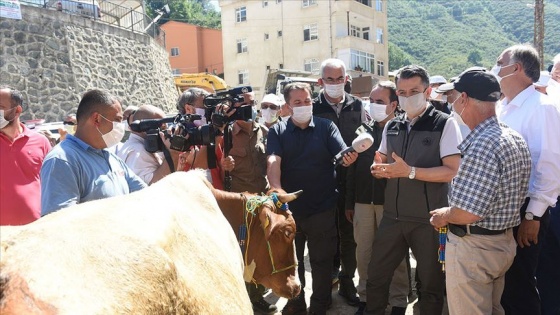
(486, 195)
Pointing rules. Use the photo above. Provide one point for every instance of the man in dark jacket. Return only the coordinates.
(347, 112)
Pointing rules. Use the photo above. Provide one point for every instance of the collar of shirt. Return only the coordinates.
(412, 121)
(24, 133)
(82, 144)
(520, 98)
(236, 128)
(476, 131)
(135, 137)
(291, 126)
(334, 104)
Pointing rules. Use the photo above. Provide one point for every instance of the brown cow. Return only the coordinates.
(269, 227)
(163, 250)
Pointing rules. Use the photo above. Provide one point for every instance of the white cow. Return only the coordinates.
(164, 250)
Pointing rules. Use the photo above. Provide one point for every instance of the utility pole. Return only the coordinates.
(538, 34)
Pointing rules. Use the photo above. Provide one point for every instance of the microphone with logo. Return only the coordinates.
(360, 144)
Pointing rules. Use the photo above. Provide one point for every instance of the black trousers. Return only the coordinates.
(319, 232)
(391, 244)
(520, 293)
(345, 233)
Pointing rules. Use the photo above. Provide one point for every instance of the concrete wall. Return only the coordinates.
(54, 57)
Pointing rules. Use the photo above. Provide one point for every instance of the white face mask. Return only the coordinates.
(496, 70)
(302, 114)
(456, 115)
(270, 116)
(114, 136)
(444, 98)
(378, 111)
(434, 94)
(334, 90)
(3, 121)
(553, 91)
(201, 112)
(412, 104)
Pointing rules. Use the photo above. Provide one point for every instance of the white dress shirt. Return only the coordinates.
(142, 162)
(537, 119)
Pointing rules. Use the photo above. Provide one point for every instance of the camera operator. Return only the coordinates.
(192, 102)
(246, 163)
(150, 167)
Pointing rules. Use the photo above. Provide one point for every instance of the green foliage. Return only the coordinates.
(197, 12)
(448, 36)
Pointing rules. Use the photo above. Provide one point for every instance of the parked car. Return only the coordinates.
(82, 7)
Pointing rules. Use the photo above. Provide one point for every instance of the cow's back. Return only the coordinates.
(164, 250)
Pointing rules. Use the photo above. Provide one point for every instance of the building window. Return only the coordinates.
(362, 61)
(280, 66)
(278, 1)
(175, 71)
(279, 33)
(243, 76)
(380, 36)
(355, 31)
(365, 33)
(265, 3)
(241, 45)
(174, 52)
(267, 67)
(365, 2)
(311, 65)
(380, 68)
(307, 3)
(379, 5)
(241, 14)
(310, 32)
(266, 36)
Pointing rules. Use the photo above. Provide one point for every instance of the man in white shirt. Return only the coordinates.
(150, 167)
(533, 115)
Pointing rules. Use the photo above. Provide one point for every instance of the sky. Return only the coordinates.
(216, 5)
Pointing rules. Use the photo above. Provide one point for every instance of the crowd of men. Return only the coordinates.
(462, 174)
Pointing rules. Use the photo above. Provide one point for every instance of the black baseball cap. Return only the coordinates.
(479, 84)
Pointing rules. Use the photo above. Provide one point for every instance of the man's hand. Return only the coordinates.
(399, 168)
(228, 163)
(377, 160)
(349, 158)
(528, 232)
(438, 218)
(349, 213)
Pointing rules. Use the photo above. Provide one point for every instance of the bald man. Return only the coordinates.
(150, 167)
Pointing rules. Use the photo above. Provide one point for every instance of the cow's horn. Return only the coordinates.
(289, 197)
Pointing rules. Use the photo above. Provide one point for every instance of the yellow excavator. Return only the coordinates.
(206, 81)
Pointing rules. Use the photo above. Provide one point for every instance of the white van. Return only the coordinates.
(82, 7)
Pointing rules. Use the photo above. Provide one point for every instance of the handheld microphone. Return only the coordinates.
(360, 144)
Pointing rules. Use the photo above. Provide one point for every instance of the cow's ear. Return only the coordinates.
(269, 220)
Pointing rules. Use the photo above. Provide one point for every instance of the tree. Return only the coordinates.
(475, 58)
(197, 12)
(397, 57)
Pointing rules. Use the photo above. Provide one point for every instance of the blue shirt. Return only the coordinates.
(307, 163)
(74, 172)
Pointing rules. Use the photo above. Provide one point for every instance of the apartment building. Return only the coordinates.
(193, 49)
(299, 34)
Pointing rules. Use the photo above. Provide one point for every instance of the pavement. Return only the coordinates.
(339, 306)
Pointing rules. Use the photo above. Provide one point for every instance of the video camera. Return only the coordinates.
(189, 133)
(229, 98)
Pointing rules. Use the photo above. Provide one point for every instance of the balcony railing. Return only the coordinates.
(105, 12)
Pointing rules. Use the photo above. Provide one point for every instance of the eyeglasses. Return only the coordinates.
(271, 106)
(330, 80)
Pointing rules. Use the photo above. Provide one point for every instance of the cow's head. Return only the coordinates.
(269, 249)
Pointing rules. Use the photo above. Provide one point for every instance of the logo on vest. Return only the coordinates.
(427, 141)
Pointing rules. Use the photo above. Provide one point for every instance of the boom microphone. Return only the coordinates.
(360, 144)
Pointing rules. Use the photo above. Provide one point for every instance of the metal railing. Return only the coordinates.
(106, 12)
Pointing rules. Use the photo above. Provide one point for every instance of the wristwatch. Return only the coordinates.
(531, 217)
(412, 173)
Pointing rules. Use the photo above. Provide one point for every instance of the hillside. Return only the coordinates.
(448, 36)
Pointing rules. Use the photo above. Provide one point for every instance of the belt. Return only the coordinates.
(462, 230)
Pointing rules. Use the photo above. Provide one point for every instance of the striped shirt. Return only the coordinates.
(492, 181)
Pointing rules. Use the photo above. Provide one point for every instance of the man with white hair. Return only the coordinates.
(347, 112)
(533, 115)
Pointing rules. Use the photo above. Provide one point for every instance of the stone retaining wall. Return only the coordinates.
(54, 57)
